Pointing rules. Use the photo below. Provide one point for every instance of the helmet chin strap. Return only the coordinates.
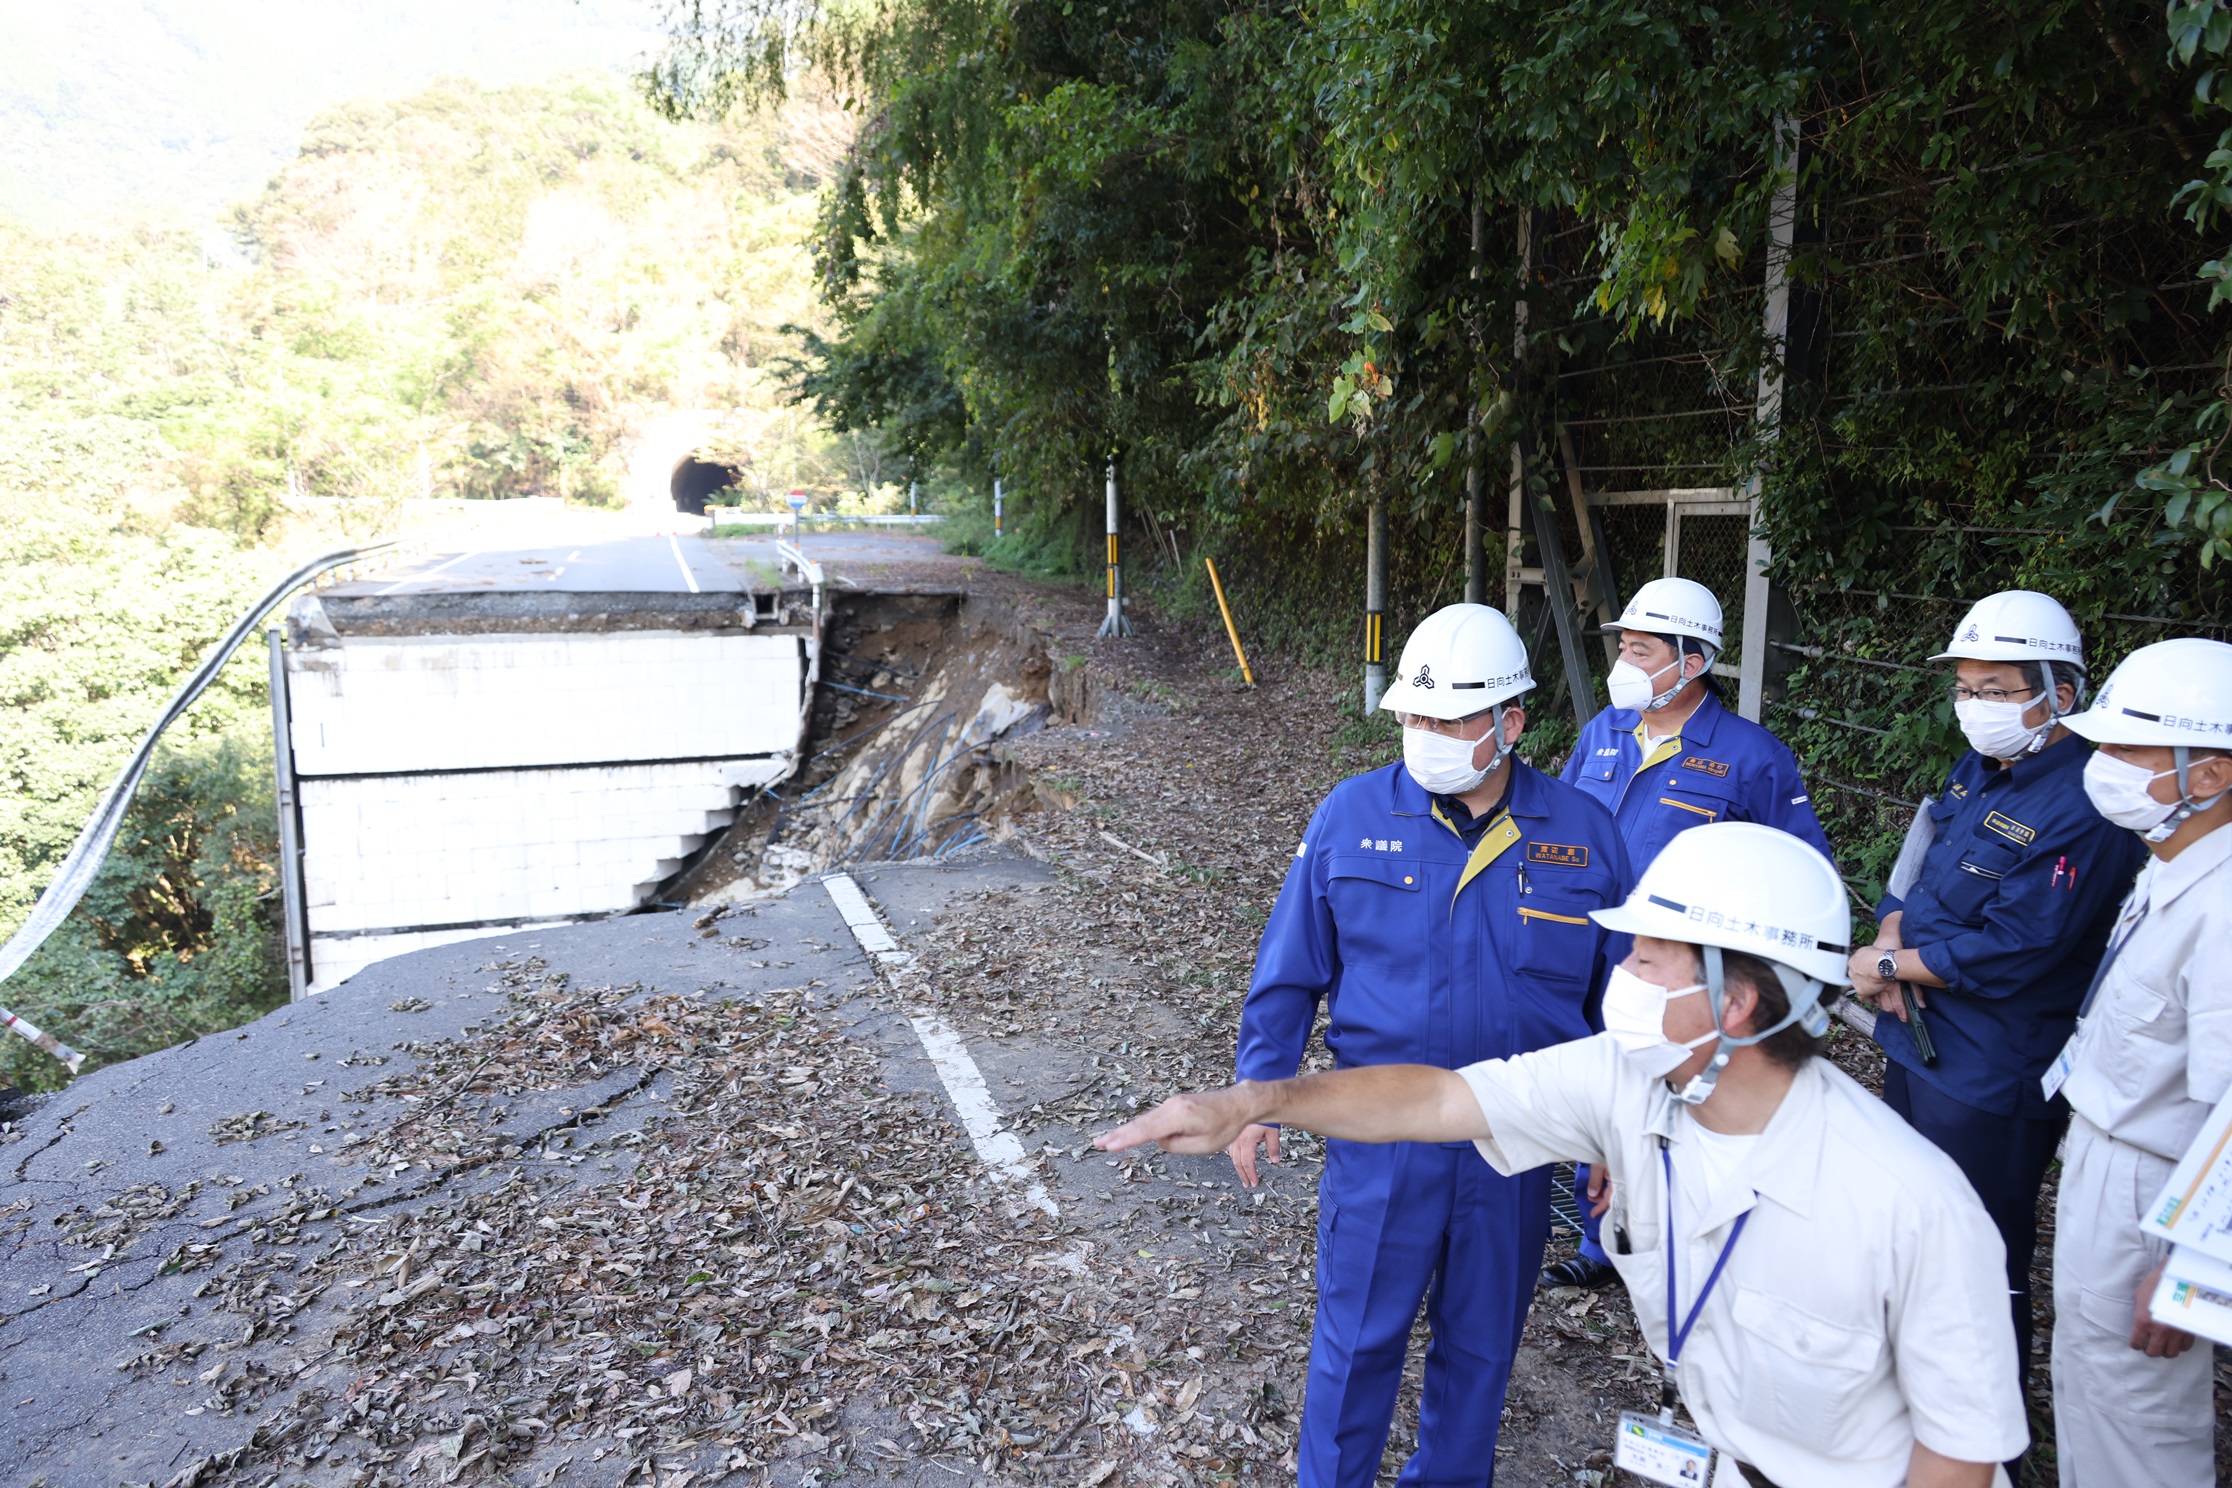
(2181, 756)
(2055, 712)
(1804, 994)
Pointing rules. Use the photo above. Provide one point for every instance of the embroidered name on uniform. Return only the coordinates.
(1381, 844)
(1955, 788)
(2013, 830)
(1559, 853)
(1710, 767)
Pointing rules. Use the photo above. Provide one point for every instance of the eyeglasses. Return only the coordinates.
(1961, 694)
(1441, 725)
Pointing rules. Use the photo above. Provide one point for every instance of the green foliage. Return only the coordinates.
(470, 292)
(177, 937)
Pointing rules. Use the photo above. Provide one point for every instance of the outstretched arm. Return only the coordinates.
(1376, 1103)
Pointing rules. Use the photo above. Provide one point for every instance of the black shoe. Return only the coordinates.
(1579, 1272)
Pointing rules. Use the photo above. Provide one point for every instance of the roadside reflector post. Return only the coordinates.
(998, 512)
(1375, 607)
(1224, 609)
(1117, 624)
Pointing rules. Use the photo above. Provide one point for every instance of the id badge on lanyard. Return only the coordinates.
(1654, 1448)
(1662, 1452)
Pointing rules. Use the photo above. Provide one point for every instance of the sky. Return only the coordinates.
(133, 108)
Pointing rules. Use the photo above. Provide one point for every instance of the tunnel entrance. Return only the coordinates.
(696, 479)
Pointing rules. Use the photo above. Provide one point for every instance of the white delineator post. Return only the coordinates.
(1375, 607)
(1116, 624)
(998, 511)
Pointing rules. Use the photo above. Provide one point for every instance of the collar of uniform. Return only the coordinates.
(2189, 867)
(1697, 729)
(2067, 753)
(1406, 797)
(1784, 1165)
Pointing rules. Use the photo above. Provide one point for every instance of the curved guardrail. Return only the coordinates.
(91, 849)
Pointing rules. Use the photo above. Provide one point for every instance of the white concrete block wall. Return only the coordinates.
(587, 767)
(401, 852)
(416, 703)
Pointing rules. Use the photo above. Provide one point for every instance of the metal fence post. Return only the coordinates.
(1515, 532)
(1476, 484)
(1782, 218)
(1117, 624)
(294, 906)
(1375, 607)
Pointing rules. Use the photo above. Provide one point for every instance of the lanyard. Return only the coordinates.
(2100, 975)
(1677, 1336)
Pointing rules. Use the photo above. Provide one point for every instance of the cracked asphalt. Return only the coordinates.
(125, 1196)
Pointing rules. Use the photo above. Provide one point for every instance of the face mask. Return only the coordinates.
(2118, 790)
(1442, 764)
(1997, 730)
(1635, 1017)
(1630, 686)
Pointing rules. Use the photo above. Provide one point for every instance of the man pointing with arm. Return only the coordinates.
(1438, 909)
(1820, 1283)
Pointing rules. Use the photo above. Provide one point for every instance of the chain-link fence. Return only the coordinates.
(1905, 478)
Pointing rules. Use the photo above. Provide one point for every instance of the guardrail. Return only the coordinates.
(91, 849)
(722, 517)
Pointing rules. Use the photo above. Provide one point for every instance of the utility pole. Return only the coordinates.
(1117, 623)
(1375, 607)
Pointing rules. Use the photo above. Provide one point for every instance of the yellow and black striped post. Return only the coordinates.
(1117, 624)
(1375, 607)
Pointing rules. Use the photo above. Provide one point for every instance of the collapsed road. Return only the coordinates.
(684, 1197)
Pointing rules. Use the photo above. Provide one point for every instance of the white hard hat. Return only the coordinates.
(2016, 625)
(2173, 692)
(1744, 887)
(1676, 607)
(1460, 660)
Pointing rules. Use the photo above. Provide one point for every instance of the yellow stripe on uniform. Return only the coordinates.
(1493, 844)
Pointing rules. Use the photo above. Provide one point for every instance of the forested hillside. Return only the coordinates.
(465, 293)
(1937, 284)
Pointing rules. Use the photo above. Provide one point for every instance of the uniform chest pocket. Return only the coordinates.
(1555, 938)
(1971, 877)
(1808, 1370)
(1379, 911)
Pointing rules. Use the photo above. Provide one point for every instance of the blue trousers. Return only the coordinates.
(1399, 1225)
(2004, 1159)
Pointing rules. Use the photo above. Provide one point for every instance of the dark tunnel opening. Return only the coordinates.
(696, 479)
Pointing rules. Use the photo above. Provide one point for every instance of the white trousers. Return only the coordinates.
(2121, 1419)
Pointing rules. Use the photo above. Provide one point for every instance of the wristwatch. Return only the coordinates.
(1887, 966)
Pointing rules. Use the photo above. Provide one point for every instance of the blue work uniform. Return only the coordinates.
(1431, 938)
(1721, 767)
(2012, 909)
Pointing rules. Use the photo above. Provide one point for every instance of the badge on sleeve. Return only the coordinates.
(1662, 1452)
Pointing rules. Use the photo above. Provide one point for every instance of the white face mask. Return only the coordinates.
(1629, 686)
(1442, 763)
(1635, 1017)
(2118, 790)
(1997, 730)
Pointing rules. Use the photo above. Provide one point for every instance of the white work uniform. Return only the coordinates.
(2153, 1058)
(1863, 1308)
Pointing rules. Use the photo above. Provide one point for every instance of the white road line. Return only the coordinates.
(862, 920)
(996, 1146)
(687, 577)
(420, 578)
